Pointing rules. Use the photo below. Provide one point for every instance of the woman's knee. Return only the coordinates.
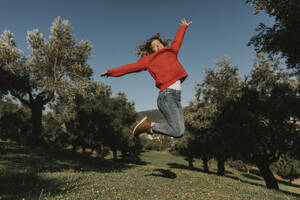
(179, 131)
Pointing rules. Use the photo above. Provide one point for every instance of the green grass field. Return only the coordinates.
(54, 174)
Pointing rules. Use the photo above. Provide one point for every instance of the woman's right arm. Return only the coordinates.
(126, 69)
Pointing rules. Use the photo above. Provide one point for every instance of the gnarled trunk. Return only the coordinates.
(114, 154)
(268, 176)
(205, 163)
(221, 166)
(190, 161)
(100, 151)
(36, 120)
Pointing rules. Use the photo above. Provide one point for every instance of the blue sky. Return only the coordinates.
(116, 27)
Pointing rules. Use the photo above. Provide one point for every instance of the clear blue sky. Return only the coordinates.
(116, 27)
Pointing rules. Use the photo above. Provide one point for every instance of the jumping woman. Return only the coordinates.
(161, 61)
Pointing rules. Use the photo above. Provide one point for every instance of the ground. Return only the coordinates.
(27, 173)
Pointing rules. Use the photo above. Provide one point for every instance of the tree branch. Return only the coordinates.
(80, 77)
(10, 68)
(54, 72)
(30, 96)
(49, 98)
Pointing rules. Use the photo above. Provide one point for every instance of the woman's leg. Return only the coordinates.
(169, 103)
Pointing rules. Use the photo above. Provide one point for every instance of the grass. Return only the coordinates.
(55, 174)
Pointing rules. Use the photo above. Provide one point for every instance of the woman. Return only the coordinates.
(161, 62)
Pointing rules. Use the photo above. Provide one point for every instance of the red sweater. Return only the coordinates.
(162, 65)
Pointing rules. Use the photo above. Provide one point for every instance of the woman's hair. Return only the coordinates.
(146, 49)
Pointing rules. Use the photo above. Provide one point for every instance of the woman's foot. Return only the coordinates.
(144, 126)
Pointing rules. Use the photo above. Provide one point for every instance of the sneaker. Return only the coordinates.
(144, 126)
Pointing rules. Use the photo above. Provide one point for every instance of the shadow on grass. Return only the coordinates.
(262, 185)
(250, 176)
(180, 166)
(244, 181)
(279, 181)
(134, 160)
(20, 167)
(29, 186)
(54, 159)
(164, 173)
(288, 184)
(229, 174)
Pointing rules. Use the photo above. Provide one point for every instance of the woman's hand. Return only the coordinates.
(104, 74)
(183, 22)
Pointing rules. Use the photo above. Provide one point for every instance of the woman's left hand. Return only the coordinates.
(183, 22)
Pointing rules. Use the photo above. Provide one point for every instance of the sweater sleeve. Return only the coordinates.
(179, 38)
(129, 68)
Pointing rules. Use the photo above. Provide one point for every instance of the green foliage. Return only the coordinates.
(54, 66)
(283, 37)
(288, 168)
(217, 88)
(119, 136)
(11, 64)
(14, 122)
(94, 119)
(188, 147)
(54, 132)
(129, 147)
(259, 121)
(238, 165)
(220, 86)
(155, 115)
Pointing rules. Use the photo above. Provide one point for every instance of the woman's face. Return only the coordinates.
(156, 45)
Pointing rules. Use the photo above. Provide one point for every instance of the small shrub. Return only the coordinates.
(288, 168)
(238, 165)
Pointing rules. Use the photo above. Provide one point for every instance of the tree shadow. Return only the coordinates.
(165, 173)
(21, 166)
(244, 181)
(230, 175)
(181, 166)
(291, 193)
(52, 160)
(29, 186)
(250, 176)
(262, 185)
(134, 160)
(257, 176)
(288, 183)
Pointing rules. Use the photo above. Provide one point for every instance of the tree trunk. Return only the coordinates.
(36, 120)
(221, 166)
(190, 160)
(114, 154)
(205, 164)
(100, 151)
(123, 155)
(74, 147)
(266, 173)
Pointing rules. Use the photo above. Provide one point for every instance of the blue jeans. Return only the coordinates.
(168, 103)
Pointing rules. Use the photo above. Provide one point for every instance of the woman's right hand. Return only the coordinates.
(104, 74)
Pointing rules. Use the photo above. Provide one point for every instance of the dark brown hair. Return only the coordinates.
(146, 49)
